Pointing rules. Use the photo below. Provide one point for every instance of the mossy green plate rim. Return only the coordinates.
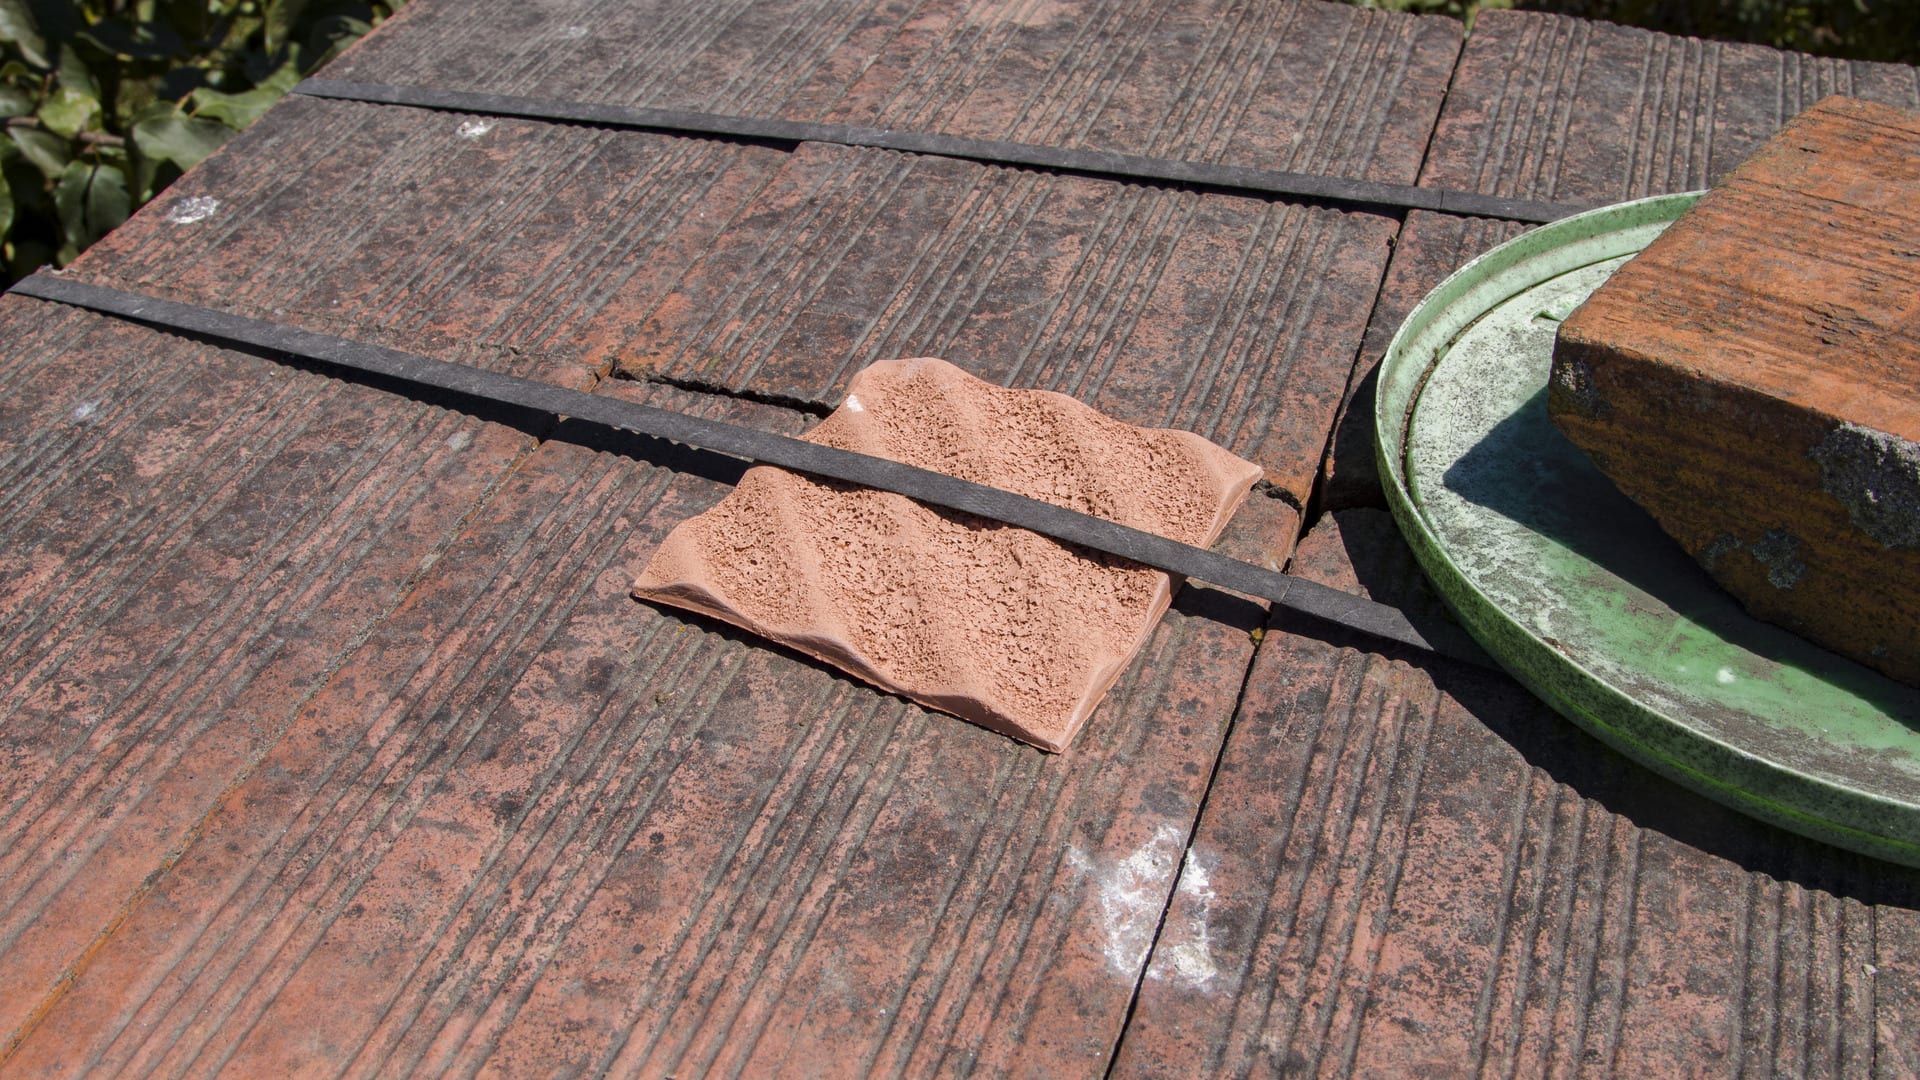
(1577, 594)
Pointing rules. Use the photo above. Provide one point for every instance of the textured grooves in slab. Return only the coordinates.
(1549, 107)
(1428, 248)
(189, 541)
(1383, 885)
(539, 827)
(430, 231)
(1233, 318)
(991, 623)
(1308, 87)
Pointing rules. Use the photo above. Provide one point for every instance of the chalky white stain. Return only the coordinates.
(1132, 894)
(1185, 954)
(1724, 676)
(84, 411)
(192, 209)
(473, 129)
(853, 403)
(459, 440)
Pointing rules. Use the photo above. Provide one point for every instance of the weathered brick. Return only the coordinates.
(1749, 379)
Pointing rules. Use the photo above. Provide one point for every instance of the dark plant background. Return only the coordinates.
(106, 101)
(1854, 29)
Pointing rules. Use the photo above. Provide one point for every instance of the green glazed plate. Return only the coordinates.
(1578, 593)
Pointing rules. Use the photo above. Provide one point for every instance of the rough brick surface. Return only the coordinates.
(1429, 247)
(1749, 379)
(1140, 301)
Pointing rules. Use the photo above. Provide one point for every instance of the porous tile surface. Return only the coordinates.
(1007, 628)
(1749, 379)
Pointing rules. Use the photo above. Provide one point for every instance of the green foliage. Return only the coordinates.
(1855, 29)
(1459, 9)
(105, 102)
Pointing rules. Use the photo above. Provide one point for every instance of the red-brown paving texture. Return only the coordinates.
(1133, 299)
(371, 766)
(193, 541)
(534, 823)
(1306, 87)
(1401, 872)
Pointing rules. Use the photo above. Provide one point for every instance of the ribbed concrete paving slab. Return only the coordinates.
(1401, 871)
(770, 273)
(1300, 86)
(535, 824)
(1234, 318)
(410, 797)
(1428, 248)
(430, 231)
(1550, 107)
(193, 541)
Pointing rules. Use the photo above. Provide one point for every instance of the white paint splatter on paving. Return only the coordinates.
(193, 208)
(1132, 894)
(1186, 942)
(473, 129)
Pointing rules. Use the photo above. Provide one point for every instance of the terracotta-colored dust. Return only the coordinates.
(989, 622)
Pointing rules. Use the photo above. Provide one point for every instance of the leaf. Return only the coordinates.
(26, 257)
(18, 28)
(330, 38)
(135, 40)
(68, 112)
(282, 15)
(241, 109)
(74, 74)
(108, 201)
(6, 206)
(15, 101)
(179, 138)
(47, 151)
(164, 135)
(90, 200)
(239, 32)
(70, 203)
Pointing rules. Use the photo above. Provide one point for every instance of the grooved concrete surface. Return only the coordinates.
(334, 744)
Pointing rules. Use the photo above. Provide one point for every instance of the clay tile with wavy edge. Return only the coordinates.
(991, 623)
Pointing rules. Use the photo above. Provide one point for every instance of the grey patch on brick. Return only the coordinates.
(1876, 476)
(1574, 379)
(1722, 545)
(1775, 551)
